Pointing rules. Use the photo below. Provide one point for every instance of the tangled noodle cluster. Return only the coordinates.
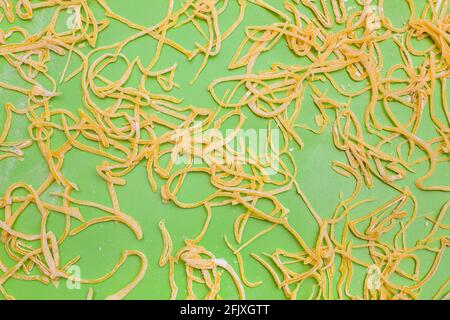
(142, 125)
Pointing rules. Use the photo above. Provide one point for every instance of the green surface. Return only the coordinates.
(101, 246)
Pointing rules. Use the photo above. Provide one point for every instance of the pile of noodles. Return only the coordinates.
(156, 127)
